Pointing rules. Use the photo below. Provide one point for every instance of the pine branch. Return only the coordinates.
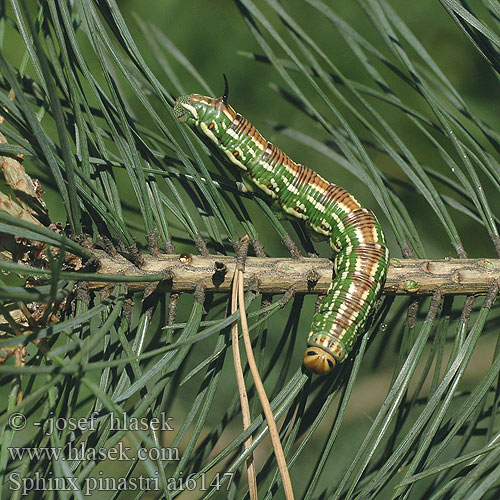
(305, 275)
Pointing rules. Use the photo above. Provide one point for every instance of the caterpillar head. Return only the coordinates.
(211, 115)
(207, 113)
(318, 361)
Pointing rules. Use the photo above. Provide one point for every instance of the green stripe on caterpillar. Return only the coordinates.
(354, 232)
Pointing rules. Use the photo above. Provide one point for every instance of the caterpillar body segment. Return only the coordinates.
(329, 210)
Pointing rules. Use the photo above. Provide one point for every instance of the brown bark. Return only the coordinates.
(307, 275)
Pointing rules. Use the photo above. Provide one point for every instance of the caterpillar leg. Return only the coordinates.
(313, 233)
(246, 185)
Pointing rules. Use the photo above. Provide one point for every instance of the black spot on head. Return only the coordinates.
(330, 363)
(312, 353)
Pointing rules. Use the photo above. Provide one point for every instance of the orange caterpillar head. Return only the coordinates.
(319, 361)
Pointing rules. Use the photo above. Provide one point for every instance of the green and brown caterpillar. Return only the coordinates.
(354, 232)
